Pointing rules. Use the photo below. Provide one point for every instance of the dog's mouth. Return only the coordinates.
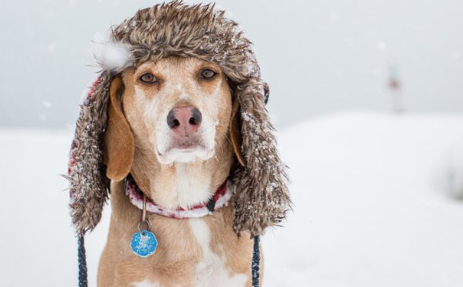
(186, 145)
(184, 150)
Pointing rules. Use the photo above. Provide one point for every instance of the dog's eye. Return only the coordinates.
(208, 74)
(148, 78)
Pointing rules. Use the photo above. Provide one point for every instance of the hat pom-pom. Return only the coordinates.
(110, 55)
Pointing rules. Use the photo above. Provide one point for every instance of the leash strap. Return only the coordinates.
(255, 266)
(82, 262)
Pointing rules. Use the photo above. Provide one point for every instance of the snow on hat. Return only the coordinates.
(261, 198)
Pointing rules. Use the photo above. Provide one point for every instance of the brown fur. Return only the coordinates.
(149, 174)
(178, 253)
(118, 137)
(176, 259)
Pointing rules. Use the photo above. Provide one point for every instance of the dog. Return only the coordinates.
(178, 166)
(179, 133)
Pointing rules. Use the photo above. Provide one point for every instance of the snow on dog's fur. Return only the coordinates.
(146, 108)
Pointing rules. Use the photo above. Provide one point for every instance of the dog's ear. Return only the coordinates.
(119, 141)
(235, 132)
(235, 126)
(262, 197)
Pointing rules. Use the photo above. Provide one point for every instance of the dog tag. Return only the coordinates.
(144, 243)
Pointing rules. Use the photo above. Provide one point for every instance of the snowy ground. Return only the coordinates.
(376, 203)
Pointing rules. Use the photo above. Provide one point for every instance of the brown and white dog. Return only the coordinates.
(177, 165)
(177, 123)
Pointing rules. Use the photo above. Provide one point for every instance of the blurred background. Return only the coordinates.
(367, 98)
(318, 56)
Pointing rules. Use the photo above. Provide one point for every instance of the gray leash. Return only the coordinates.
(82, 262)
(255, 266)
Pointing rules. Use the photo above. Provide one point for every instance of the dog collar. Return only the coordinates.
(221, 198)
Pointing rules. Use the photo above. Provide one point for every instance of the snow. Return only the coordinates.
(37, 246)
(374, 203)
(377, 202)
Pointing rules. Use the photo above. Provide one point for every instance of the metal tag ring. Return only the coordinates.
(147, 225)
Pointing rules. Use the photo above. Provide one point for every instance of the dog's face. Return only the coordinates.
(178, 108)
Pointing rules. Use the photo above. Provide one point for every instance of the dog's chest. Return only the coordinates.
(212, 269)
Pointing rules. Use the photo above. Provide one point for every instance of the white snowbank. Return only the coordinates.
(37, 243)
(374, 205)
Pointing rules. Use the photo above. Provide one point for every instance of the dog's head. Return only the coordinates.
(190, 83)
(177, 108)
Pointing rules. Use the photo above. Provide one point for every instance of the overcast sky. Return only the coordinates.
(318, 56)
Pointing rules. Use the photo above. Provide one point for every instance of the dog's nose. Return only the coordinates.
(184, 120)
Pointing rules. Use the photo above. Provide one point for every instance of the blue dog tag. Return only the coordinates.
(144, 243)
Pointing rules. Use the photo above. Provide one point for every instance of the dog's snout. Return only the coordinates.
(196, 117)
(184, 120)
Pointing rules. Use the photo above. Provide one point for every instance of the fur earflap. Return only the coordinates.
(86, 171)
(176, 29)
(262, 197)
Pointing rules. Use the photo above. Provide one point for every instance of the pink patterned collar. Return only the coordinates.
(221, 198)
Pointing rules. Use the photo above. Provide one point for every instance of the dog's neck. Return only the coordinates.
(181, 185)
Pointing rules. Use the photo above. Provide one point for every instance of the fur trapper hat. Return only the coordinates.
(261, 199)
